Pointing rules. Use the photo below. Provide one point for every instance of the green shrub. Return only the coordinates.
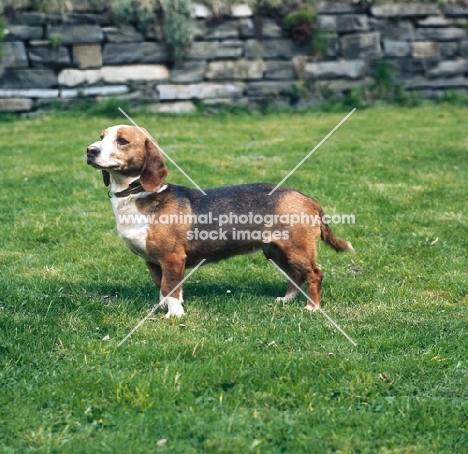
(177, 26)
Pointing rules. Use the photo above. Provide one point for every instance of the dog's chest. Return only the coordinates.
(132, 226)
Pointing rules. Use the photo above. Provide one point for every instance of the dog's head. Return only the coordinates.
(128, 151)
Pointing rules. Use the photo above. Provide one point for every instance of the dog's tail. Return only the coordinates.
(328, 236)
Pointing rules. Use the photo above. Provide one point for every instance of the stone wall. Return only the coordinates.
(240, 61)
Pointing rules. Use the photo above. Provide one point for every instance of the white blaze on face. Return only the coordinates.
(107, 157)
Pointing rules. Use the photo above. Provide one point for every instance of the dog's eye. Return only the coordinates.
(122, 141)
(101, 136)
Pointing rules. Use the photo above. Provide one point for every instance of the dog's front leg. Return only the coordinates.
(173, 268)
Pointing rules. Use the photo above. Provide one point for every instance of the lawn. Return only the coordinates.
(239, 373)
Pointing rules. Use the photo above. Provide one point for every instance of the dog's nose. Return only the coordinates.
(92, 151)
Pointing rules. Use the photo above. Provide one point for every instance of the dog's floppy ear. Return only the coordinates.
(106, 177)
(154, 170)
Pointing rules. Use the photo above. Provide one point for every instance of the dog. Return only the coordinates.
(173, 227)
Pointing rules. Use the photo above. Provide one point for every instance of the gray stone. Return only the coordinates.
(246, 28)
(28, 78)
(281, 48)
(229, 49)
(87, 56)
(105, 90)
(77, 34)
(16, 105)
(75, 77)
(442, 34)
(199, 91)
(235, 70)
(352, 23)
(449, 49)
(327, 23)
(241, 10)
(188, 72)
(406, 67)
(401, 30)
(433, 21)
(362, 45)
(226, 30)
(127, 53)
(203, 50)
(353, 69)
(23, 32)
(200, 11)
(396, 48)
(28, 93)
(419, 83)
(404, 10)
(342, 85)
(197, 31)
(253, 49)
(338, 8)
(181, 107)
(270, 29)
(456, 11)
(425, 49)
(122, 34)
(299, 63)
(127, 73)
(464, 49)
(450, 68)
(13, 55)
(41, 56)
(262, 89)
(278, 70)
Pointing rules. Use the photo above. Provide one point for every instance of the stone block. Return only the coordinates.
(253, 49)
(442, 34)
(173, 92)
(13, 55)
(282, 48)
(226, 30)
(361, 45)
(456, 11)
(75, 77)
(396, 48)
(235, 70)
(342, 85)
(352, 23)
(17, 32)
(262, 89)
(419, 83)
(434, 21)
(203, 50)
(105, 90)
(127, 73)
(188, 72)
(181, 107)
(77, 34)
(404, 10)
(348, 69)
(230, 49)
(28, 78)
(425, 49)
(327, 23)
(16, 105)
(449, 68)
(278, 70)
(271, 30)
(122, 34)
(464, 49)
(449, 49)
(127, 53)
(200, 11)
(338, 8)
(241, 10)
(42, 56)
(246, 28)
(400, 30)
(87, 56)
(28, 93)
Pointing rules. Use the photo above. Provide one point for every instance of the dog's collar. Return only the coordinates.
(135, 187)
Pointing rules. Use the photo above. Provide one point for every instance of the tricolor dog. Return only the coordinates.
(173, 227)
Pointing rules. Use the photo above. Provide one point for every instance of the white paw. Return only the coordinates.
(286, 298)
(175, 307)
(311, 308)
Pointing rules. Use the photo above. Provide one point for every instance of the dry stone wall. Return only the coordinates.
(241, 61)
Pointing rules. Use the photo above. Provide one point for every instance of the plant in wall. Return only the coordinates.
(303, 28)
(2, 34)
(177, 26)
(138, 12)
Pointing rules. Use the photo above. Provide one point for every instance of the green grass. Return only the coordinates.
(242, 374)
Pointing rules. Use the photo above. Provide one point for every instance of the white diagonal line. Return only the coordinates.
(305, 159)
(162, 151)
(157, 306)
(316, 305)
